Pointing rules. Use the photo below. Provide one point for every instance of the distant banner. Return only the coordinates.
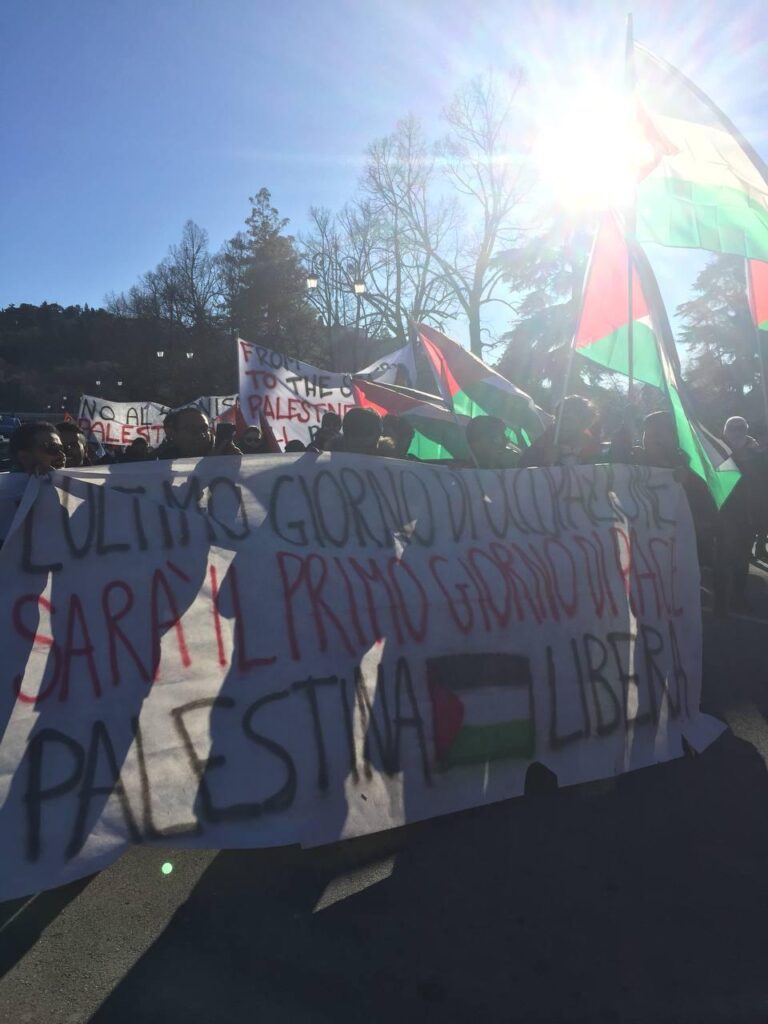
(120, 423)
(397, 367)
(269, 650)
(292, 395)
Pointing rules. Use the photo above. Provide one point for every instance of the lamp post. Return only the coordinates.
(339, 275)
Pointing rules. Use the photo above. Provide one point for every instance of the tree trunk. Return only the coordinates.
(475, 340)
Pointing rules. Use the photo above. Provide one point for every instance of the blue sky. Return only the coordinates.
(120, 119)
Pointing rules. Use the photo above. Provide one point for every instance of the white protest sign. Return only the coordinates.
(398, 367)
(120, 423)
(292, 395)
(244, 652)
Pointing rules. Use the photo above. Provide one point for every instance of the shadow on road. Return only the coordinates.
(23, 921)
(639, 898)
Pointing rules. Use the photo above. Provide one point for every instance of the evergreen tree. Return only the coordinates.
(264, 284)
(723, 372)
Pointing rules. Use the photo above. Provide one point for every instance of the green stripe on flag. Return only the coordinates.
(719, 481)
(612, 353)
(688, 215)
(479, 743)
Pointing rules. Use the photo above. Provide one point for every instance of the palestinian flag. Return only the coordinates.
(705, 187)
(482, 708)
(440, 434)
(757, 287)
(473, 389)
(603, 337)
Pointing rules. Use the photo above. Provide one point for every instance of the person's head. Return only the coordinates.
(295, 446)
(250, 441)
(387, 447)
(36, 448)
(73, 440)
(400, 431)
(138, 449)
(487, 438)
(362, 430)
(189, 431)
(330, 423)
(735, 432)
(660, 439)
(577, 416)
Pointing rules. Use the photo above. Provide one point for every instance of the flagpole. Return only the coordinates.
(629, 222)
(752, 301)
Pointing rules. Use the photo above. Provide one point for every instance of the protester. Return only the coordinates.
(188, 435)
(741, 517)
(75, 447)
(36, 449)
(250, 442)
(295, 446)
(736, 435)
(361, 431)
(329, 432)
(224, 439)
(401, 434)
(387, 448)
(137, 451)
(573, 439)
(487, 440)
(661, 448)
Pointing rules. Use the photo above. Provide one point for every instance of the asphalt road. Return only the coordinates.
(643, 898)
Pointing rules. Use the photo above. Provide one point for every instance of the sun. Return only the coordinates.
(590, 150)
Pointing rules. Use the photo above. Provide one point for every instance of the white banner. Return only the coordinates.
(292, 395)
(119, 423)
(398, 367)
(244, 652)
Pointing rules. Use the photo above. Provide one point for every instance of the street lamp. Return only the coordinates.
(340, 274)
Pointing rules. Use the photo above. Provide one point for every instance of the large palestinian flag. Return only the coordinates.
(473, 389)
(705, 187)
(440, 434)
(603, 337)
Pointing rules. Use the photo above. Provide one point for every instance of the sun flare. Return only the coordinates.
(590, 150)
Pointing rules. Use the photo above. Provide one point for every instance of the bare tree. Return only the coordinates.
(412, 226)
(185, 288)
(197, 276)
(486, 169)
(446, 213)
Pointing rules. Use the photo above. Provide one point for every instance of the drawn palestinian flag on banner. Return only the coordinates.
(482, 708)
(473, 389)
(440, 434)
(757, 287)
(602, 336)
(706, 187)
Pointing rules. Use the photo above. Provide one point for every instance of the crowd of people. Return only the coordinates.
(728, 538)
